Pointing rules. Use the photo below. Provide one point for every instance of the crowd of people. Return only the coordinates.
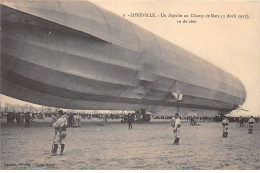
(27, 118)
(62, 120)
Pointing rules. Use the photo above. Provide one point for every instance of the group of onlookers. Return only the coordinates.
(27, 118)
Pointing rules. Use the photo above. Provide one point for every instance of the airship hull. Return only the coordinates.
(76, 55)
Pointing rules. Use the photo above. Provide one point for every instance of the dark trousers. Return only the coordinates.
(130, 125)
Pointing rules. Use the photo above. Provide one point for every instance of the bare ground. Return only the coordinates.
(99, 145)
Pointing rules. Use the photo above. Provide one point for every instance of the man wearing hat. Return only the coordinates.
(251, 121)
(176, 129)
(60, 133)
(225, 127)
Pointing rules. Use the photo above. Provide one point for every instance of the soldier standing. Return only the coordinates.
(60, 133)
(251, 121)
(176, 129)
(27, 119)
(70, 120)
(79, 119)
(22, 117)
(192, 121)
(241, 121)
(130, 121)
(225, 127)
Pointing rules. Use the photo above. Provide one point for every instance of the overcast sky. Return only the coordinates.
(231, 44)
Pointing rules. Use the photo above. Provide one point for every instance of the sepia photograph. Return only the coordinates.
(129, 85)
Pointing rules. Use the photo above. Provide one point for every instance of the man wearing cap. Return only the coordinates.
(60, 133)
(251, 121)
(176, 129)
(225, 127)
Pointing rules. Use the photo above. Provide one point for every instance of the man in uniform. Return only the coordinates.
(241, 121)
(192, 121)
(176, 129)
(60, 133)
(251, 121)
(70, 120)
(225, 127)
(130, 121)
(27, 119)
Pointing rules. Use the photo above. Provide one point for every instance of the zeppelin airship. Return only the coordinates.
(76, 55)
